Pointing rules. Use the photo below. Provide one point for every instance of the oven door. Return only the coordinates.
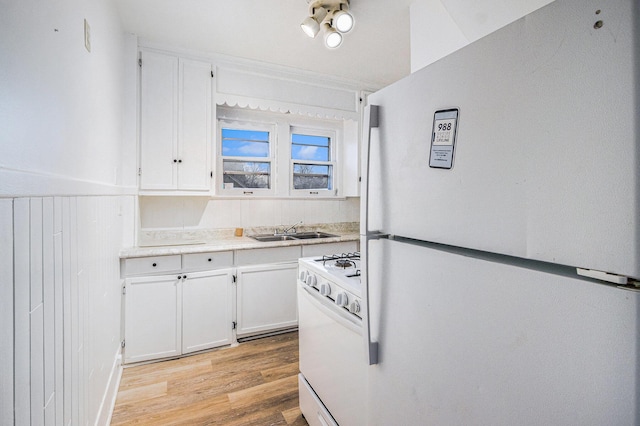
(332, 358)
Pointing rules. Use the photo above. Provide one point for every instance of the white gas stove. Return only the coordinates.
(332, 358)
(336, 277)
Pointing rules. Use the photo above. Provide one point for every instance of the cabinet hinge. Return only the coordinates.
(211, 174)
(124, 290)
(140, 62)
(122, 344)
(233, 325)
(212, 74)
(140, 171)
(235, 278)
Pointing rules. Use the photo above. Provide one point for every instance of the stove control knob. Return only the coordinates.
(311, 280)
(303, 276)
(354, 307)
(342, 300)
(325, 289)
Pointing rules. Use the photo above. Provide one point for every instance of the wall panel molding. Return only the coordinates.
(28, 183)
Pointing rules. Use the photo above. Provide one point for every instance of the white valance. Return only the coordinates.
(236, 88)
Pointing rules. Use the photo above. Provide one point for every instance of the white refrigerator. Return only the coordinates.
(501, 228)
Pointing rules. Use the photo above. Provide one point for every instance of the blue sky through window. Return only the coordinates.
(245, 143)
(308, 147)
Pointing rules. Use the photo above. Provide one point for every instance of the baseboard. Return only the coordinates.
(111, 392)
(267, 334)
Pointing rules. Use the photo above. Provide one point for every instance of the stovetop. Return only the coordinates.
(343, 269)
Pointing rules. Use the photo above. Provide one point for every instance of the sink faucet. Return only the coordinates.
(291, 229)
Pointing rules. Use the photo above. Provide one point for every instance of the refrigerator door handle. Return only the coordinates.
(370, 122)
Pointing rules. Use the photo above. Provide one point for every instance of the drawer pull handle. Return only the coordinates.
(209, 259)
(154, 265)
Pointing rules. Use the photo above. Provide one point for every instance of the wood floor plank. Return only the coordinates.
(254, 383)
(264, 393)
(142, 393)
(164, 373)
(293, 416)
(279, 372)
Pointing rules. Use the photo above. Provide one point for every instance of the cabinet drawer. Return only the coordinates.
(206, 261)
(329, 248)
(152, 265)
(268, 255)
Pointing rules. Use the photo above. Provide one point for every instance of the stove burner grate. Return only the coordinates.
(355, 274)
(344, 260)
(344, 263)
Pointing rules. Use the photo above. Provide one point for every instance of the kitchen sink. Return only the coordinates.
(265, 238)
(271, 237)
(308, 235)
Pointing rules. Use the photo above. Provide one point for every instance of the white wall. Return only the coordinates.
(194, 212)
(440, 27)
(61, 107)
(65, 207)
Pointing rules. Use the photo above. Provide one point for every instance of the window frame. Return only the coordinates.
(224, 123)
(332, 162)
(279, 125)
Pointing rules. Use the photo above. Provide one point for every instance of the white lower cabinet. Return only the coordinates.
(176, 314)
(207, 301)
(183, 303)
(267, 298)
(152, 318)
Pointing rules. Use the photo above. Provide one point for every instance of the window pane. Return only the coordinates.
(246, 174)
(311, 176)
(245, 143)
(307, 147)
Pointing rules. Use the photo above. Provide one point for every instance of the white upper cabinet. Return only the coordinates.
(175, 123)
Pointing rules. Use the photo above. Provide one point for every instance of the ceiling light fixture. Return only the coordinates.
(330, 15)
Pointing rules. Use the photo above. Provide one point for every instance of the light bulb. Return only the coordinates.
(332, 38)
(343, 21)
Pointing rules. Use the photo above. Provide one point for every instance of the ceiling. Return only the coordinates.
(376, 52)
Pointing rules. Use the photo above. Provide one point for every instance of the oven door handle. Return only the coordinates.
(332, 311)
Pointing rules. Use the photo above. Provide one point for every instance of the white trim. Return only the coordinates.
(271, 128)
(29, 183)
(263, 67)
(108, 403)
(333, 162)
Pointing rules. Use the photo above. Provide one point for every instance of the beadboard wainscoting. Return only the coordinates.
(63, 357)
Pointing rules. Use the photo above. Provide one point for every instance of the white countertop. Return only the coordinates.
(169, 244)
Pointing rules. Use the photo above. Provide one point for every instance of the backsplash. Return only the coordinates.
(205, 213)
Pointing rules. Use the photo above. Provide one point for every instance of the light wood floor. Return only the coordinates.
(252, 384)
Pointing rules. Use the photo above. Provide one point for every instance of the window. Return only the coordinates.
(312, 160)
(273, 154)
(246, 157)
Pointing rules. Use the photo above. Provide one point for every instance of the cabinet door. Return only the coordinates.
(194, 136)
(266, 298)
(158, 121)
(207, 300)
(152, 318)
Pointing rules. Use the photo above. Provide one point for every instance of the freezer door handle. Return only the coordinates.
(370, 121)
